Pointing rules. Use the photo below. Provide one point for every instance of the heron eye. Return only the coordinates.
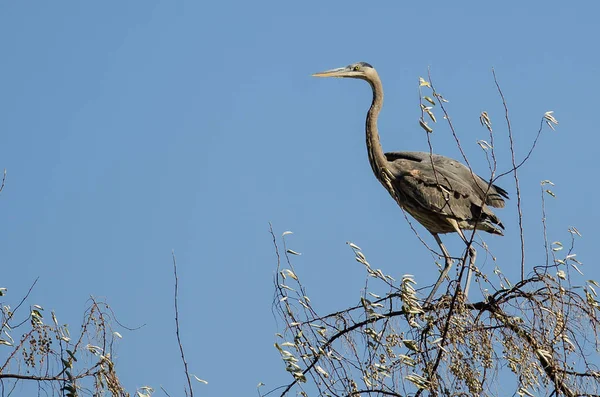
(356, 68)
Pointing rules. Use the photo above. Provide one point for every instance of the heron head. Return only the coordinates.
(359, 70)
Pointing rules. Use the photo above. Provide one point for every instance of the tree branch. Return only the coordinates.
(185, 365)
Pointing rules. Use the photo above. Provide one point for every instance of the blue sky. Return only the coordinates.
(133, 128)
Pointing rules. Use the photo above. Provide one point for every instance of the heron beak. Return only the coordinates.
(339, 72)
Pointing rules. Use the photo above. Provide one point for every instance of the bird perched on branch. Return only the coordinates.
(441, 193)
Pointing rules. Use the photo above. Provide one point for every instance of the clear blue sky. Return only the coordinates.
(129, 129)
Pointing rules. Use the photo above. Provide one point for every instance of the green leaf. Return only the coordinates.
(424, 125)
(428, 99)
(200, 380)
(70, 353)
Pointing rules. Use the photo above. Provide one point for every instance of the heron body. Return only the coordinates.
(441, 193)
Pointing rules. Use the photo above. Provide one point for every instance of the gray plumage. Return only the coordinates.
(442, 194)
(434, 189)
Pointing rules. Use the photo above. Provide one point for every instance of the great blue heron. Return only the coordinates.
(442, 194)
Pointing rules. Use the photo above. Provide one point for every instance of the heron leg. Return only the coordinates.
(445, 271)
(472, 257)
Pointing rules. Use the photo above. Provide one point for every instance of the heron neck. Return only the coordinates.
(376, 157)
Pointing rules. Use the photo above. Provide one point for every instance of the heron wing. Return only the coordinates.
(450, 190)
(451, 175)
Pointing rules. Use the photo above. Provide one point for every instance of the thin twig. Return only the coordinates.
(529, 153)
(33, 377)
(12, 313)
(515, 173)
(185, 366)
(24, 338)
(164, 391)
(545, 230)
(3, 180)
(547, 365)
(336, 336)
(373, 391)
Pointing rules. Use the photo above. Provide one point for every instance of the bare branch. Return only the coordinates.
(185, 365)
(515, 174)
